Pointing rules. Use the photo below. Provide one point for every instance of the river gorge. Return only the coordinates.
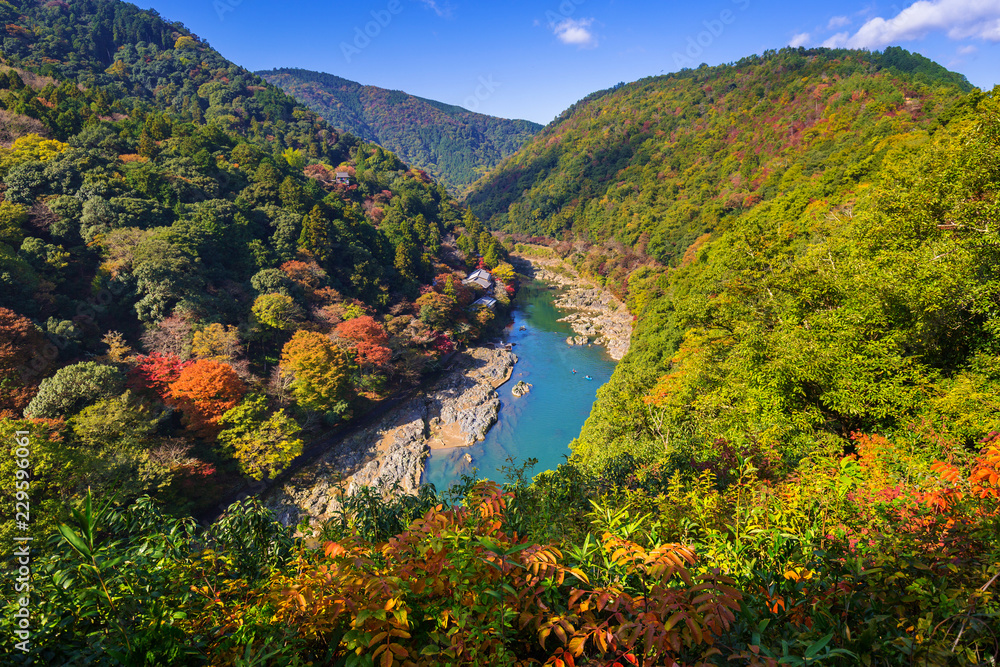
(470, 419)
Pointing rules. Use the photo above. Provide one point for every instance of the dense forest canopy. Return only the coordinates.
(183, 279)
(455, 145)
(797, 462)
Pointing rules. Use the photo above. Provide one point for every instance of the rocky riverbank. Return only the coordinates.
(598, 316)
(457, 411)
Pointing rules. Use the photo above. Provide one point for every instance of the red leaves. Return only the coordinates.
(19, 340)
(156, 372)
(443, 344)
(367, 338)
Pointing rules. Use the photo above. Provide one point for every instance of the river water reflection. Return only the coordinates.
(542, 423)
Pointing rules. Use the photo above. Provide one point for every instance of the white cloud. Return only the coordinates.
(444, 12)
(989, 31)
(800, 39)
(959, 19)
(838, 22)
(967, 50)
(837, 41)
(575, 31)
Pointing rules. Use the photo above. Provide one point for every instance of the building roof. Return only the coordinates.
(487, 301)
(479, 277)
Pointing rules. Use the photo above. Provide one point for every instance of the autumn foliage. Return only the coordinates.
(458, 587)
(307, 275)
(156, 372)
(19, 342)
(204, 391)
(319, 370)
(367, 338)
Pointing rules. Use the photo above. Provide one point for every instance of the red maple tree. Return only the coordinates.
(367, 337)
(156, 372)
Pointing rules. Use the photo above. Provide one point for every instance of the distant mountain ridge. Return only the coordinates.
(453, 144)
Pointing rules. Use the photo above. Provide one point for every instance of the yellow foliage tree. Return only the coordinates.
(118, 350)
(320, 370)
(263, 445)
(29, 148)
(117, 69)
(504, 273)
(217, 342)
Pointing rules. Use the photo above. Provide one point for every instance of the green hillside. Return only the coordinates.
(454, 145)
(665, 158)
(777, 155)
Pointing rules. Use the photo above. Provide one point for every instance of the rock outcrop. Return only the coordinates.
(390, 455)
(466, 404)
(597, 315)
(521, 388)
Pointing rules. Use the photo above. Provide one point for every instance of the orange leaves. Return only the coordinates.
(946, 471)
(985, 477)
(663, 621)
(661, 563)
(363, 328)
(334, 550)
(367, 338)
(983, 481)
(455, 587)
(205, 391)
(941, 499)
(542, 563)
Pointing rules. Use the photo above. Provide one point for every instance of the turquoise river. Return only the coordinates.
(541, 424)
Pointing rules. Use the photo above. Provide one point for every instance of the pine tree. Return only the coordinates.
(147, 147)
(316, 236)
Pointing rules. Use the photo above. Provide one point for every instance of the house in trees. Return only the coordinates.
(343, 178)
(479, 278)
(487, 301)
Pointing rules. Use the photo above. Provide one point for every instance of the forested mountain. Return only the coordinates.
(733, 177)
(186, 290)
(456, 146)
(806, 239)
(798, 461)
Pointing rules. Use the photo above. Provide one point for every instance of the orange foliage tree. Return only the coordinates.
(307, 275)
(19, 341)
(367, 338)
(204, 391)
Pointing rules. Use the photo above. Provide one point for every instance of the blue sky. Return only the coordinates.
(520, 59)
